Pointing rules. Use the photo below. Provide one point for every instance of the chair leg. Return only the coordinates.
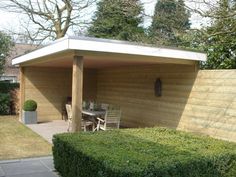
(98, 126)
(68, 128)
(93, 127)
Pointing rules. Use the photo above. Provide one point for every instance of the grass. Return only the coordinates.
(18, 141)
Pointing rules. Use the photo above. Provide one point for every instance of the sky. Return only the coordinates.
(11, 21)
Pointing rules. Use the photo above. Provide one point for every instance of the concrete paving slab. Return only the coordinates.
(9, 161)
(48, 129)
(24, 168)
(48, 163)
(2, 174)
(36, 158)
(35, 167)
(42, 174)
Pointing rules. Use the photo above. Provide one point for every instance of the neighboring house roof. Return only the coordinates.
(17, 50)
(85, 44)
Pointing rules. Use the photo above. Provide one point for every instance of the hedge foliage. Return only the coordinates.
(150, 152)
(30, 105)
(6, 96)
(6, 87)
(4, 103)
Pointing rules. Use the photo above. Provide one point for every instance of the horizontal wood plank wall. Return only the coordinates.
(49, 87)
(90, 84)
(211, 107)
(133, 89)
(202, 102)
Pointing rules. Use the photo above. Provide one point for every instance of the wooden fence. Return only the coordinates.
(198, 101)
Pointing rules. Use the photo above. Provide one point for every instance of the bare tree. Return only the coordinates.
(49, 19)
(215, 10)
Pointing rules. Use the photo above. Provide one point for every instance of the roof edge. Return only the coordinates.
(110, 46)
(130, 43)
(55, 47)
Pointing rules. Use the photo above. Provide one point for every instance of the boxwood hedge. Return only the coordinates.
(150, 152)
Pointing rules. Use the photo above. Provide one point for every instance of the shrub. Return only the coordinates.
(7, 101)
(150, 152)
(14, 95)
(6, 87)
(30, 105)
(4, 103)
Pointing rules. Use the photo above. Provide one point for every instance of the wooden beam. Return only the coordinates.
(22, 91)
(77, 92)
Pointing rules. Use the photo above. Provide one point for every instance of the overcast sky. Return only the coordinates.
(11, 21)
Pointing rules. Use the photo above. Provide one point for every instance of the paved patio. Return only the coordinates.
(35, 167)
(48, 129)
(32, 167)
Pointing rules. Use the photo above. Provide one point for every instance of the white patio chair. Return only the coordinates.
(84, 124)
(111, 119)
(104, 106)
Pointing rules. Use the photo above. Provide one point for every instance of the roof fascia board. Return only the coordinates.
(100, 46)
(56, 47)
(135, 58)
(68, 43)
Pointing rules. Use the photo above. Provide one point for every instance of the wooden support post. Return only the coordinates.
(22, 91)
(77, 92)
(197, 66)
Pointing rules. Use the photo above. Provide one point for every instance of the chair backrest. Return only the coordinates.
(69, 111)
(112, 118)
(104, 106)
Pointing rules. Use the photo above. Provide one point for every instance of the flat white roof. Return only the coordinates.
(108, 46)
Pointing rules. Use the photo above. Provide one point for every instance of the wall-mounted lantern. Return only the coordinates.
(158, 87)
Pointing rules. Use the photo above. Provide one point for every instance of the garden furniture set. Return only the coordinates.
(96, 117)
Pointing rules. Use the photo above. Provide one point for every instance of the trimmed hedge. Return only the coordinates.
(30, 105)
(150, 152)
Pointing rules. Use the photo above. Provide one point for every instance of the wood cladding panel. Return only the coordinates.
(90, 84)
(211, 107)
(50, 87)
(133, 89)
(191, 100)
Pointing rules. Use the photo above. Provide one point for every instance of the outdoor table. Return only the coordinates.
(92, 115)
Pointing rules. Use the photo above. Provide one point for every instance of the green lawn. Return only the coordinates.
(18, 141)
